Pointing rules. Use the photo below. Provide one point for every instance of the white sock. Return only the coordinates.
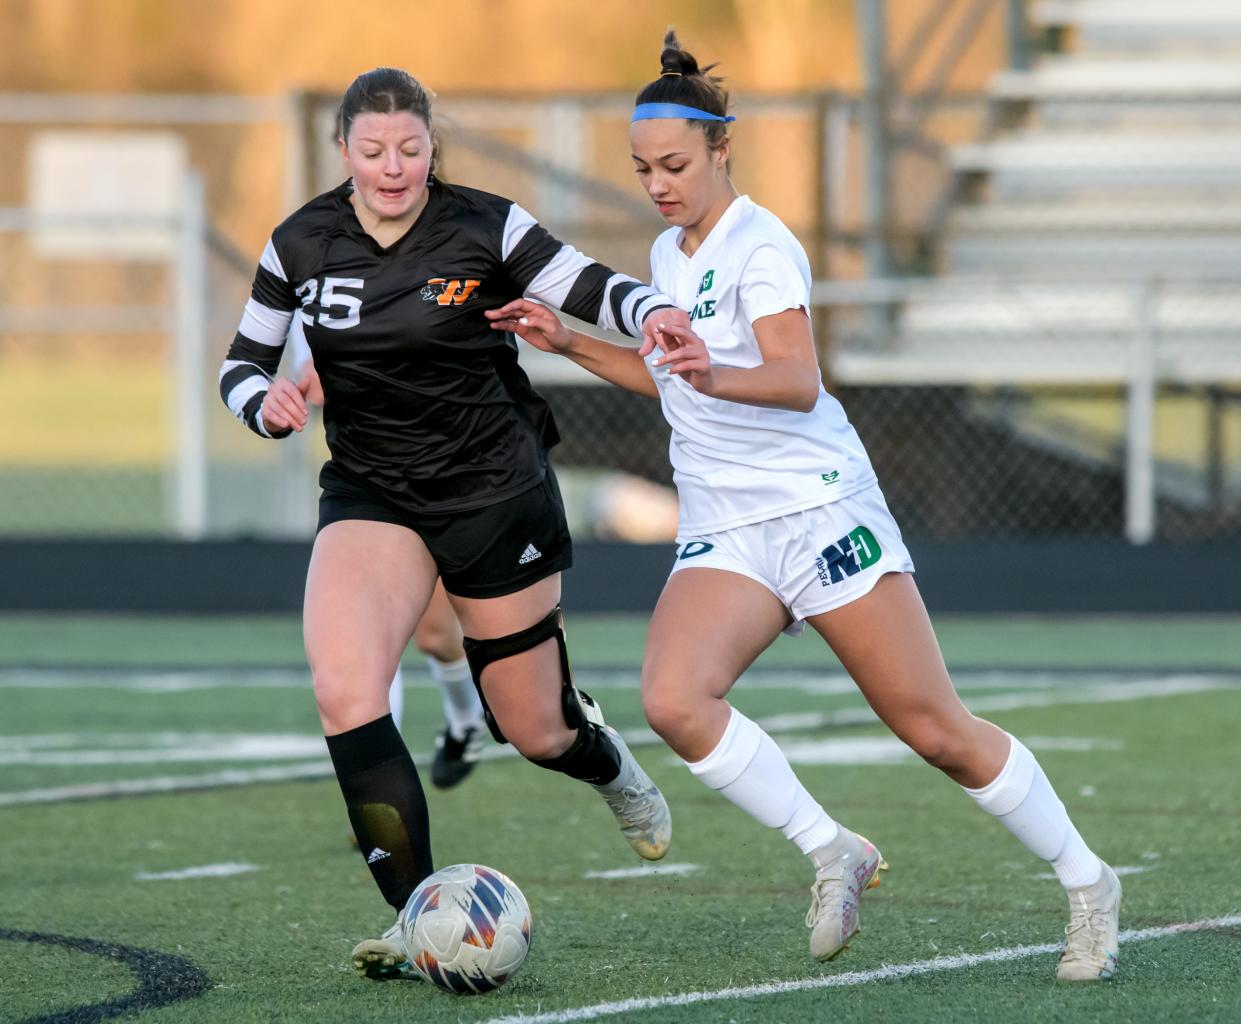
(396, 698)
(462, 708)
(1022, 798)
(749, 769)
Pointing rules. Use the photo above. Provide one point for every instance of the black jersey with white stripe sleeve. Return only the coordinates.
(424, 403)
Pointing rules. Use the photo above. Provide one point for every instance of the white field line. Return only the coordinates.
(1103, 692)
(168, 784)
(162, 748)
(891, 972)
(307, 770)
(646, 871)
(1119, 869)
(856, 750)
(205, 871)
(1096, 693)
(824, 683)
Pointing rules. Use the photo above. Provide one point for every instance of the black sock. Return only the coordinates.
(386, 806)
(592, 757)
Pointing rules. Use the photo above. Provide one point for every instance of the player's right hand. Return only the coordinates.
(284, 407)
(533, 323)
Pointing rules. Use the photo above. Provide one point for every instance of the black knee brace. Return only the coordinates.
(578, 707)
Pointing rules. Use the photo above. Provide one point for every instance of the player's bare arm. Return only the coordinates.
(539, 326)
(787, 378)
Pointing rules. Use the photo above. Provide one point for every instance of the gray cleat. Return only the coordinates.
(1090, 942)
(638, 804)
(844, 869)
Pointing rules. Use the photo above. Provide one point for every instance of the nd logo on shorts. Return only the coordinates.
(694, 547)
(855, 551)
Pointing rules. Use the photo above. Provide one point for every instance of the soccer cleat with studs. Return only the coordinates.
(455, 758)
(1090, 939)
(639, 806)
(844, 869)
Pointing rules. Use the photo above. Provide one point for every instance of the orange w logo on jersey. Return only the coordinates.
(448, 293)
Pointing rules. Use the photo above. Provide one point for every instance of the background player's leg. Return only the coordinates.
(396, 697)
(366, 588)
(886, 643)
(525, 693)
(438, 636)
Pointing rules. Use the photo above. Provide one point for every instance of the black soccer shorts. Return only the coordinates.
(484, 552)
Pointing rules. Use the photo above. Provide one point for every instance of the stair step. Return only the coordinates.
(1120, 80)
(1046, 161)
(1080, 218)
(1044, 152)
(1158, 20)
(1138, 117)
(1011, 357)
(1109, 258)
(1047, 308)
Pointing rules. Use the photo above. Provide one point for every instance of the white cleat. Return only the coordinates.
(639, 806)
(1090, 943)
(383, 958)
(844, 869)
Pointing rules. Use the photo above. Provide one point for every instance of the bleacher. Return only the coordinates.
(1107, 204)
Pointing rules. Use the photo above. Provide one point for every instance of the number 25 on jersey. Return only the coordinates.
(333, 297)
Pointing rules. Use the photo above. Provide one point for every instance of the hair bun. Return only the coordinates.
(675, 61)
(682, 81)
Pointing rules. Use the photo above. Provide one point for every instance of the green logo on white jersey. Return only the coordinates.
(707, 306)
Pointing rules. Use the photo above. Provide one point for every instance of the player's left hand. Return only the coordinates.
(687, 357)
(653, 333)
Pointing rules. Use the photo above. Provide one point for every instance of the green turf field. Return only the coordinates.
(134, 750)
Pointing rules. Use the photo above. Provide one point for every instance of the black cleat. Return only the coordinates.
(455, 758)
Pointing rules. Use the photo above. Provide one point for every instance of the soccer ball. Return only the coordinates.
(467, 928)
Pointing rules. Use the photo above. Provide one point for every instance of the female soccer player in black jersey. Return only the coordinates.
(438, 468)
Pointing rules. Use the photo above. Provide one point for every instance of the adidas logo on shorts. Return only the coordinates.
(529, 555)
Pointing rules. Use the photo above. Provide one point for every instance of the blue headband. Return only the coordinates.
(651, 111)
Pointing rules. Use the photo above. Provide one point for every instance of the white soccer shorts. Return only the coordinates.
(813, 561)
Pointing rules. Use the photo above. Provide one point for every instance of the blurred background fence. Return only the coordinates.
(1024, 294)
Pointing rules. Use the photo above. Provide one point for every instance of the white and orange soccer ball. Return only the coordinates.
(467, 928)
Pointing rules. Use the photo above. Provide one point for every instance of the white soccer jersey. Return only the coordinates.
(736, 464)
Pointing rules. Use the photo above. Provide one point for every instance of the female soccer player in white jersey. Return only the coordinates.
(438, 469)
(782, 523)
